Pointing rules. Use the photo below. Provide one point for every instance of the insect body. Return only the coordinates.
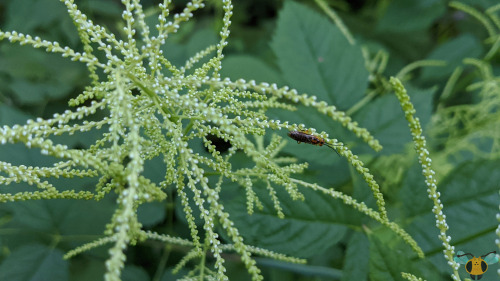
(306, 137)
(301, 136)
(476, 267)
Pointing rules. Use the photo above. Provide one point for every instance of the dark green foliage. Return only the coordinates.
(290, 43)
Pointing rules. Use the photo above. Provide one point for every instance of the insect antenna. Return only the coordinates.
(492, 252)
(333, 147)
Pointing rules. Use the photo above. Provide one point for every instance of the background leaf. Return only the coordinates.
(249, 68)
(470, 197)
(357, 258)
(384, 118)
(315, 58)
(134, 273)
(287, 43)
(34, 263)
(398, 14)
(385, 264)
(453, 52)
(311, 226)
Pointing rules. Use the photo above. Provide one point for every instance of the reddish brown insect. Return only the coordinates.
(306, 137)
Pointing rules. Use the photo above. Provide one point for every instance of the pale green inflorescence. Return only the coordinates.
(155, 109)
(410, 277)
(427, 171)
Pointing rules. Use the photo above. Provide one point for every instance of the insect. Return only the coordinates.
(476, 267)
(306, 137)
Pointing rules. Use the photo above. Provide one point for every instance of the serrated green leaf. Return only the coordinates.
(64, 217)
(154, 169)
(27, 92)
(198, 41)
(179, 209)
(22, 62)
(11, 115)
(37, 76)
(469, 194)
(19, 154)
(151, 213)
(168, 275)
(453, 52)
(356, 258)
(309, 227)
(315, 57)
(302, 269)
(83, 140)
(385, 264)
(30, 93)
(361, 190)
(414, 187)
(105, 8)
(87, 269)
(248, 68)
(134, 273)
(484, 4)
(34, 263)
(385, 120)
(26, 16)
(410, 15)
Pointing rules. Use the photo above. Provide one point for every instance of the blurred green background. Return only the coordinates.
(290, 43)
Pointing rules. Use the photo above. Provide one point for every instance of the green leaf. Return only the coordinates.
(27, 92)
(356, 258)
(64, 217)
(78, 141)
(22, 62)
(309, 227)
(414, 187)
(309, 270)
(393, 256)
(198, 41)
(34, 263)
(26, 16)
(401, 16)
(385, 120)
(151, 213)
(361, 190)
(134, 273)
(11, 115)
(154, 169)
(168, 275)
(315, 57)
(32, 93)
(19, 154)
(105, 8)
(36, 76)
(385, 263)
(87, 269)
(179, 209)
(469, 194)
(453, 52)
(484, 4)
(248, 68)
